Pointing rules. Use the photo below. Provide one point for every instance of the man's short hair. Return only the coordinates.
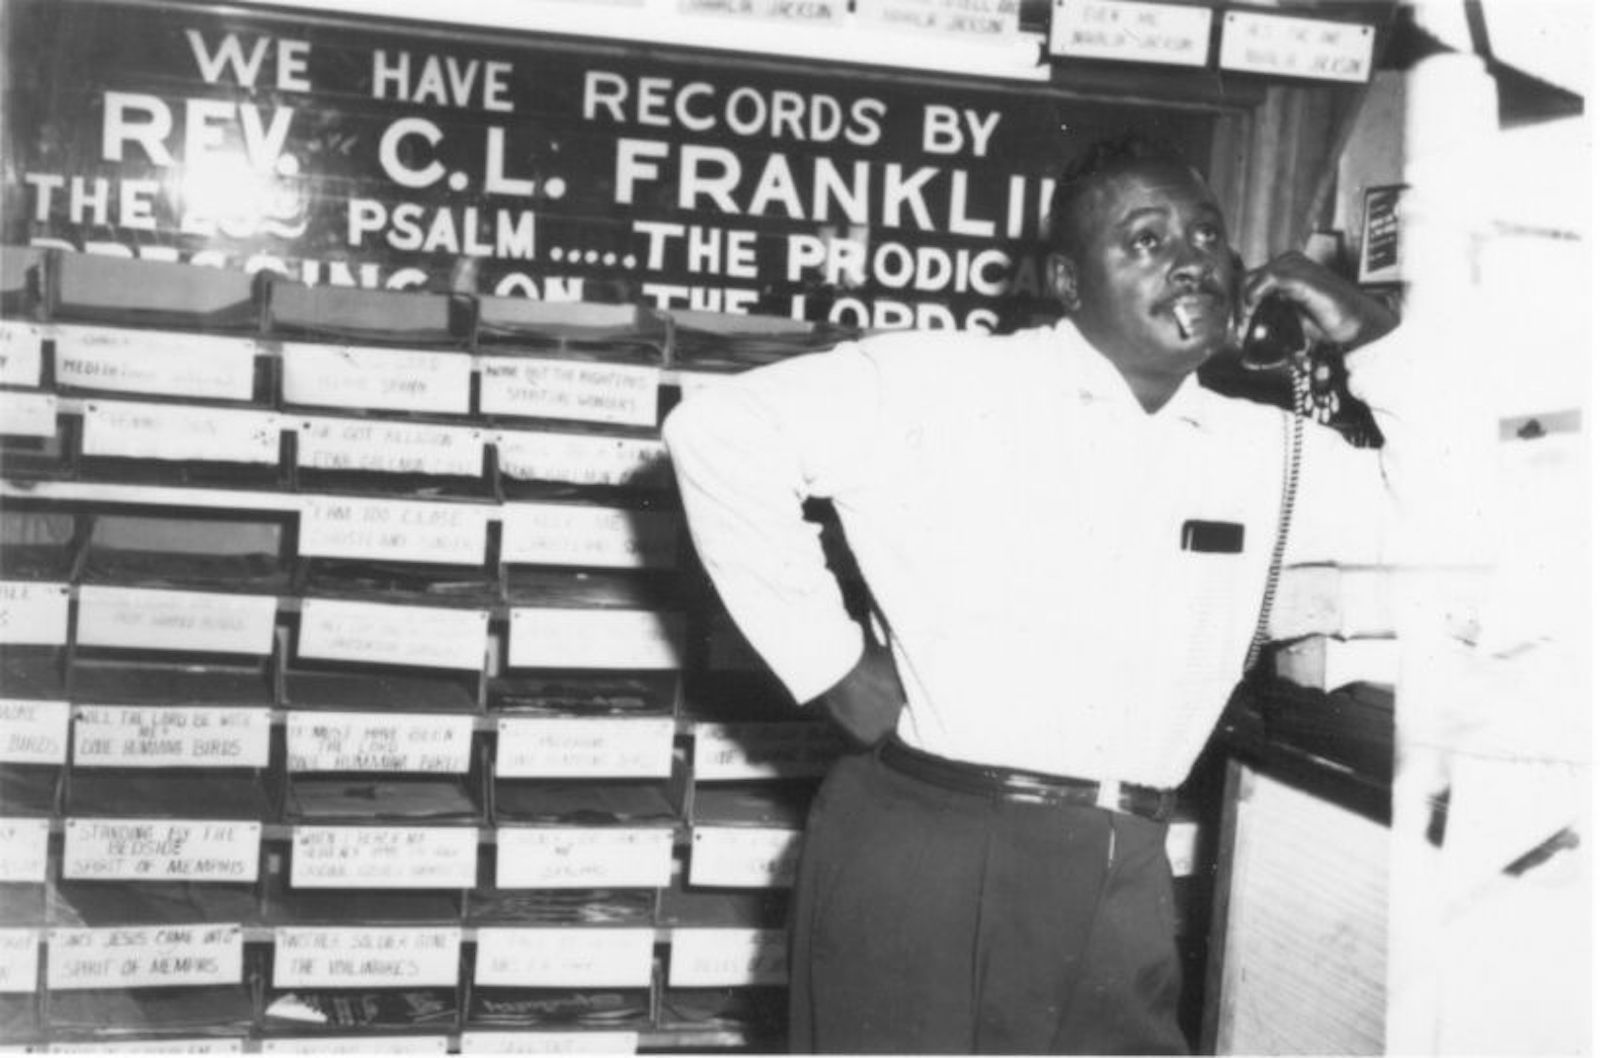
(1103, 159)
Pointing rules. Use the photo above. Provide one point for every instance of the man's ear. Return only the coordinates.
(1062, 273)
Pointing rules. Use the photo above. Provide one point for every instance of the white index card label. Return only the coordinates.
(379, 742)
(19, 961)
(384, 857)
(394, 530)
(145, 956)
(389, 447)
(584, 748)
(137, 430)
(744, 857)
(28, 414)
(33, 613)
(33, 732)
(366, 956)
(594, 639)
(389, 379)
(24, 849)
(579, 1042)
(585, 390)
(1296, 47)
(162, 736)
(583, 857)
(166, 362)
(564, 958)
(162, 850)
(702, 958)
(393, 634)
(162, 619)
(379, 1045)
(569, 534)
(1130, 31)
(21, 353)
(583, 459)
(165, 1046)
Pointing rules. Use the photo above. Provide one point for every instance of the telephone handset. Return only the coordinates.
(1273, 336)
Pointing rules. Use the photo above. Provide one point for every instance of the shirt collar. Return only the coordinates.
(1093, 378)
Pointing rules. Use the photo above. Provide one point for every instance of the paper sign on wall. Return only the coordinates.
(167, 362)
(366, 956)
(162, 850)
(585, 390)
(565, 958)
(145, 956)
(379, 742)
(33, 732)
(583, 858)
(24, 849)
(389, 447)
(28, 414)
(582, 459)
(384, 858)
(715, 957)
(33, 613)
(19, 961)
(762, 750)
(972, 18)
(569, 534)
(161, 619)
(391, 379)
(136, 430)
(393, 634)
(549, 1042)
(744, 857)
(129, 736)
(1296, 47)
(1130, 31)
(395, 530)
(380, 1045)
(537, 747)
(21, 353)
(594, 639)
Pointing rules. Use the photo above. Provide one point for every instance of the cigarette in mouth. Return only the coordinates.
(1185, 317)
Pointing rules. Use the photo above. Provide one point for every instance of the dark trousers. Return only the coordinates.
(931, 921)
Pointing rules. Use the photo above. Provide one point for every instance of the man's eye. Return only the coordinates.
(1207, 233)
(1145, 240)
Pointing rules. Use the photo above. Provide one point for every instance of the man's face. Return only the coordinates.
(1150, 280)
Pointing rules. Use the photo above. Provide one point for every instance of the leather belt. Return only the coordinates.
(1026, 787)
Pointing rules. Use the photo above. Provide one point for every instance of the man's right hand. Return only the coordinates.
(866, 703)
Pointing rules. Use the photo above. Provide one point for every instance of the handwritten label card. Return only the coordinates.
(24, 849)
(21, 353)
(393, 634)
(180, 432)
(166, 1046)
(972, 18)
(535, 747)
(549, 1042)
(380, 1045)
(565, 958)
(1296, 47)
(145, 956)
(33, 613)
(137, 361)
(28, 414)
(702, 958)
(392, 379)
(594, 639)
(569, 534)
(390, 447)
(396, 530)
(583, 459)
(813, 12)
(128, 736)
(384, 858)
(744, 857)
(583, 858)
(379, 742)
(569, 389)
(162, 850)
(1131, 31)
(192, 621)
(366, 956)
(19, 961)
(762, 751)
(33, 732)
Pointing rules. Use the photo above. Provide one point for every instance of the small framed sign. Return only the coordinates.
(1380, 234)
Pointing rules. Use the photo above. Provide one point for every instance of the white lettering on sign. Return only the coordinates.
(569, 534)
(166, 1046)
(390, 447)
(535, 747)
(744, 857)
(33, 613)
(137, 430)
(583, 858)
(584, 390)
(583, 459)
(1296, 47)
(762, 750)
(395, 530)
(389, 379)
(564, 958)
(549, 1042)
(381, 1045)
(19, 961)
(33, 732)
(21, 353)
(1130, 31)
(162, 850)
(978, 18)
(393, 634)
(138, 361)
(702, 958)
(594, 639)
(28, 414)
(379, 742)
(161, 619)
(130, 736)
(145, 956)
(366, 956)
(24, 849)
(384, 858)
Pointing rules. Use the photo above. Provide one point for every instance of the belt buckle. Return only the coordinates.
(1108, 795)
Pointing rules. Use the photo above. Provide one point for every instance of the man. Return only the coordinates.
(1068, 540)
